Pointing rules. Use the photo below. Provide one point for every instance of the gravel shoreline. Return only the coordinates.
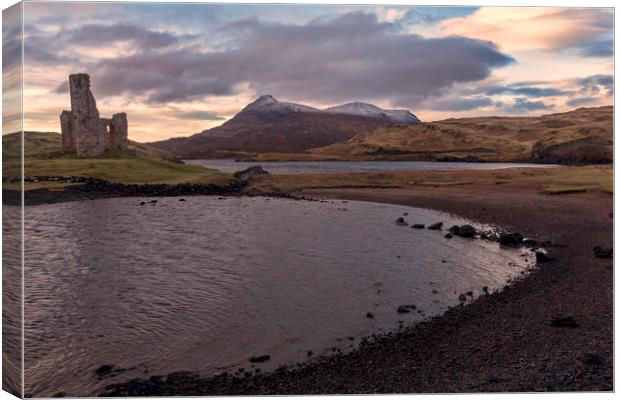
(500, 342)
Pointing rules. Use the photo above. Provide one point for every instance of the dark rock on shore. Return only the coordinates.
(104, 370)
(98, 188)
(510, 239)
(531, 243)
(543, 257)
(467, 231)
(564, 322)
(603, 252)
(454, 229)
(436, 226)
(259, 359)
(400, 221)
(405, 308)
(91, 188)
(417, 226)
(593, 359)
(448, 236)
(242, 178)
(370, 315)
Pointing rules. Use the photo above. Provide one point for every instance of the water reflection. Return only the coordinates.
(205, 284)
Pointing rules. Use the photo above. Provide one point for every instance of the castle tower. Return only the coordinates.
(83, 131)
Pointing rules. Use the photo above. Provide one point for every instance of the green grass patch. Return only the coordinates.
(139, 164)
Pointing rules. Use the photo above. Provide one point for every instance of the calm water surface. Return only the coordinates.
(204, 284)
(312, 167)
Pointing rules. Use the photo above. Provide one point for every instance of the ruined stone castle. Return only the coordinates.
(83, 131)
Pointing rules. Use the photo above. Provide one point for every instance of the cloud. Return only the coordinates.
(597, 80)
(62, 88)
(529, 91)
(199, 115)
(353, 56)
(462, 104)
(529, 28)
(581, 101)
(595, 86)
(601, 48)
(101, 35)
(524, 105)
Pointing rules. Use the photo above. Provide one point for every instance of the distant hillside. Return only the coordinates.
(584, 135)
(268, 125)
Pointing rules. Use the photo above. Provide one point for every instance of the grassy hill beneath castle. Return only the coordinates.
(139, 164)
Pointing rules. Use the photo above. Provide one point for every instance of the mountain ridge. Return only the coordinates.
(267, 125)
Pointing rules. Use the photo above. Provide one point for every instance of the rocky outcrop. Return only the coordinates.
(242, 178)
(587, 150)
(83, 131)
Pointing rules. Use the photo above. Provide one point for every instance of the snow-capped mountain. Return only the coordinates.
(267, 103)
(270, 126)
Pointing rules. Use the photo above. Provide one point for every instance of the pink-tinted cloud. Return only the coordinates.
(533, 28)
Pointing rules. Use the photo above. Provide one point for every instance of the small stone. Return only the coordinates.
(448, 236)
(104, 369)
(593, 359)
(417, 226)
(436, 226)
(543, 257)
(603, 252)
(400, 221)
(259, 359)
(369, 315)
(564, 322)
(454, 229)
(467, 231)
(462, 297)
(510, 239)
(403, 310)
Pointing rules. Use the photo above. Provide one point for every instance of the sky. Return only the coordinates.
(177, 69)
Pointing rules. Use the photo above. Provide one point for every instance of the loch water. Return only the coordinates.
(205, 284)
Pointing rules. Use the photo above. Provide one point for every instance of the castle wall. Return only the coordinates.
(66, 130)
(118, 132)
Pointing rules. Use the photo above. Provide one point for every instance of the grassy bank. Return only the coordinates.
(139, 164)
(553, 180)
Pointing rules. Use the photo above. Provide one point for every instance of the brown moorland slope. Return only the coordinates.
(584, 135)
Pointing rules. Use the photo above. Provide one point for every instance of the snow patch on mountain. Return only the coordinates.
(370, 110)
(267, 103)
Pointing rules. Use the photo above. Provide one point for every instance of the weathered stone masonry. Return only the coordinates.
(83, 131)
